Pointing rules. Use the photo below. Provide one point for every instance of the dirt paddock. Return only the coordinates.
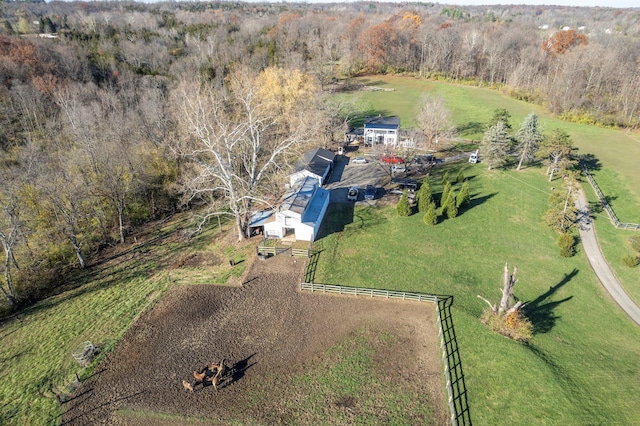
(268, 332)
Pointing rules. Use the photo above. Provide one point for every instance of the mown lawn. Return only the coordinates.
(616, 151)
(582, 365)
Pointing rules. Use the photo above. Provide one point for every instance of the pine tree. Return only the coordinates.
(403, 207)
(424, 196)
(445, 178)
(446, 191)
(529, 137)
(460, 176)
(495, 145)
(450, 206)
(500, 114)
(464, 196)
(431, 215)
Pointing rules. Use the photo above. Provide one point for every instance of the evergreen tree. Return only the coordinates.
(500, 114)
(529, 137)
(446, 191)
(495, 145)
(450, 207)
(403, 207)
(445, 178)
(431, 215)
(460, 176)
(424, 196)
(464, 196)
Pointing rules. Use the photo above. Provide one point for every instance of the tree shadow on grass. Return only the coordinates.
(541, 311)
(471, 128)
(591, 162)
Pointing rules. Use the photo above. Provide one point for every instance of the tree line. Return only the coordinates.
(113, 114)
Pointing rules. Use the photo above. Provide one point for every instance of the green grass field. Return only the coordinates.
(582, 365)
(617, 152)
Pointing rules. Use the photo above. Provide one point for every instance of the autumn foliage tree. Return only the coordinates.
(562, 41)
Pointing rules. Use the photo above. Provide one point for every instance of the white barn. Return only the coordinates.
(301, 211)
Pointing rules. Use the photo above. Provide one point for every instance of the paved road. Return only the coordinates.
(599, 264)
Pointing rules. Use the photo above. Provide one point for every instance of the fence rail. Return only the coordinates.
(272, 248)
(606, 206)
(371, 292)
(455, 385)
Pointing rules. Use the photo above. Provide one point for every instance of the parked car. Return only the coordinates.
(352, 195)
(370, 192)
(398, 168)
(410, 184)
(392, 159)
(473, 158)
(359, 160)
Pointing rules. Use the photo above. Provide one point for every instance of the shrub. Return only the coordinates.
(514, 326)
(567, 244)
(431, 215)
(630, 261)
(634, 242)
(404, 208)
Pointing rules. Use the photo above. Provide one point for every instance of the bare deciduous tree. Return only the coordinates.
(434, 119)
(238, 138)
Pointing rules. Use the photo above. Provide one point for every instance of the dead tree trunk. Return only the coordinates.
(506, 305)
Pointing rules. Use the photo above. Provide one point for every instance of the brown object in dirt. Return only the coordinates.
(216, 379)
(232, 263)
(216, 367)
(187, 385)
(199, 376)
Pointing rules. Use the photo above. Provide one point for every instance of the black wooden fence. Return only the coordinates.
(454, 377)
(605, 204)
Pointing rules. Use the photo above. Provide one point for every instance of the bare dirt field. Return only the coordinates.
(269, 334)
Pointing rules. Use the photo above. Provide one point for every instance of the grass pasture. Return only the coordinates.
(616, 152)
(582, 365)
(98, 306)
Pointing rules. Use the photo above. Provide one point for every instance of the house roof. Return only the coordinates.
(260, 218)
(315, 206)
(316, 161)
(381, 122)
(297, 199)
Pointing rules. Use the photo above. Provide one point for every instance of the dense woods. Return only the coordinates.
(103, 105)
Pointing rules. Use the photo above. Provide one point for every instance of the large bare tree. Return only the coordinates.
(434, 119)
(237, 138)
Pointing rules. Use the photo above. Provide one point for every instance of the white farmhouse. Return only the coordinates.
(381, 130)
